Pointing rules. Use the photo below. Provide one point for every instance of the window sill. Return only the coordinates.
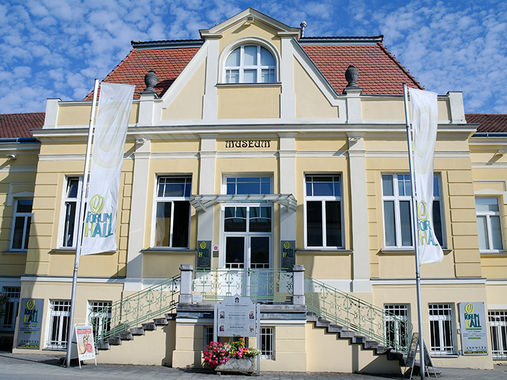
(168, 250)
(493, 253)
(324, 251)
(443, 356)
(237, 85)
(72, 251)
(407, 251)
(14, 252)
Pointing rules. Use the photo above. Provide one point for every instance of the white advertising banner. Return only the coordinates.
(113, 114)
(424, 124)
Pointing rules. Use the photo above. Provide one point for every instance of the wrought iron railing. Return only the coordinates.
(261, 285)
(357, 315)
(138, 308)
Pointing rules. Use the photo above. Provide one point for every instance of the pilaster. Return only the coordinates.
(353, 101)
(288, 223)
(138, 214)
(207, 185)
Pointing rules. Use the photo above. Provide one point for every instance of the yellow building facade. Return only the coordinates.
(249, 169)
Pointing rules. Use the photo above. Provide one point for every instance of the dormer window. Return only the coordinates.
(250, 64)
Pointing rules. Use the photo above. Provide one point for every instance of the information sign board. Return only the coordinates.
(474, 339)
(236, 316)
(30, 323)
(288, 258)
(203, 261)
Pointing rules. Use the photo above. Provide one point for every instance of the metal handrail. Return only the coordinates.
(261, 285)
(357, 315)
(138, 308)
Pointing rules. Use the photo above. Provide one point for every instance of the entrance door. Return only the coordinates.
(248, 245)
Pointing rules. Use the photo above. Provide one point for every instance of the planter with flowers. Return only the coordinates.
(234, 357)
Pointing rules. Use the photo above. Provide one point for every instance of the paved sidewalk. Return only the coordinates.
(46, 366)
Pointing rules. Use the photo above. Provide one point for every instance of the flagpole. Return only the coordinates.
(79, 237)
(414, 233)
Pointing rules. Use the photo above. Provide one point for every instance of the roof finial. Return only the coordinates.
(303, 26)
(151, 80)
(351, 75)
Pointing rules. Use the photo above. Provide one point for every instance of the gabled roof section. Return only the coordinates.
(379, 72)
(18, 125)
(250, 15)
(167, 61)
(488, 122)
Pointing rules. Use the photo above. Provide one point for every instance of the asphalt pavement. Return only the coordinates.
(47, 366)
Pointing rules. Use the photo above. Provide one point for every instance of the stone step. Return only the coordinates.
(103, 346)
(150, 326)
(161, 321)
(114, 341)
(126, 335)
(137, 331)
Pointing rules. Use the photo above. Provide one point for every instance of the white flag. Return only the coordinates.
(113, 114)
(424, 124)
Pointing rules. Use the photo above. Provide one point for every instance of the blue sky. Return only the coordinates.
(55, 48)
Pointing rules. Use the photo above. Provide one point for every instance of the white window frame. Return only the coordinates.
(498, 331)
(94, 311)
(61, 342)
(267, 335)
(242, 67)
(323, 199)
(396, 198)
(27, 216)
(257, 175)
(171, 199)
(402, 313)
(63, 219)
(447, 315)
(488, 215)
(8, 320)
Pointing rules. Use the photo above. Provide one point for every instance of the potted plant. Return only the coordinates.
(234, 357)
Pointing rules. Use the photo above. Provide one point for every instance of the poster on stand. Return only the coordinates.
(30, 323)
(474, 338)
(85, 343)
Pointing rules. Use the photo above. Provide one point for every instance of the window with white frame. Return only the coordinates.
(59, 318)
(70, 210)
(323, 208)
(488, 224)
(99, 317)
(396, 196)
(396, 321)
(207, 336)
(8, 319)
(250, 64)
(268, 343)
(21, 224)
(172, 211)
(441, 319)
(498, 330)
(248, 185)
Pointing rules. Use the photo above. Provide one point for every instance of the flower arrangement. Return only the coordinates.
(217, 353)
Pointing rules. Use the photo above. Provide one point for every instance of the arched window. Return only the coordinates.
(250, 64)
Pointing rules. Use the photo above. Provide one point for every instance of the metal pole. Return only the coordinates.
(79, 236)
(414, 233)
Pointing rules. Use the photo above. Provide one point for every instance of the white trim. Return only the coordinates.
(495, 282)
(429, 281)
(210, 98)
(61, 224)
(69, 279)
(286, 75)
(403, 154)
(10, 281)
(22, 194)
(26, 225)
(501, 306)
(18, 169)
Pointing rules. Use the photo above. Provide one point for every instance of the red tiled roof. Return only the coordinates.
(15, 125)
(379, 72)
(489, 122)
(167, 63)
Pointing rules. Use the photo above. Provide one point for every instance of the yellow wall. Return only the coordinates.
(249, 101)
(310, 101)
(389, 109)
(245, 30)
(72, 114)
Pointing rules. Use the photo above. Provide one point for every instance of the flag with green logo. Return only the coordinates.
(113, 114)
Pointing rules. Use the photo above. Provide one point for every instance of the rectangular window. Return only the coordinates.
(248, 185)
(396, 320)
(8, 319)
(70, 209)
(488, 224)
(99, 317)
(498, 330)
(396, 197)
(441, 329)
(207, 336)
(268, 343)
(21, 224)
(59, 315)
(172, 213)
(323, 204)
